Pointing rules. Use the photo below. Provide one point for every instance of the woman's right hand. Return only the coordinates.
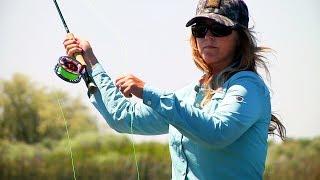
(77, 45)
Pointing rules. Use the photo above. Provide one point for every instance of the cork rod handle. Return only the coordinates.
(91, 86)
(78, 56)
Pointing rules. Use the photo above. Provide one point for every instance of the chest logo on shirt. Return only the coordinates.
(239, 98)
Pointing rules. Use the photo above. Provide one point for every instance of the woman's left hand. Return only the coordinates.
(129, 84)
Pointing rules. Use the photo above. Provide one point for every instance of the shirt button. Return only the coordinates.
(197, 105)
(149, 103)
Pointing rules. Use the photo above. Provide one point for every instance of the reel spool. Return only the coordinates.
(69, 69)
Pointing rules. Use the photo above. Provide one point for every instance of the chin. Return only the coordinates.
(210, 59)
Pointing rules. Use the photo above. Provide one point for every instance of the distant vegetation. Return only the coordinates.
(33, 143)
(294, 159)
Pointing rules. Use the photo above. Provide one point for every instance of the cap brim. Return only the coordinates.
(216, 17)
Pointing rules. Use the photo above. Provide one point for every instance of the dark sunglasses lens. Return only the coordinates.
(217, 30)
(199, 30)
(220, 30)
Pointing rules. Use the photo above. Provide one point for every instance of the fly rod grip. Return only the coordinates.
(78, 56)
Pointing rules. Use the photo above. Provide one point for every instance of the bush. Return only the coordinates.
(95, 156)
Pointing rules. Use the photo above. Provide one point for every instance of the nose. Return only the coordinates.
(209, 35)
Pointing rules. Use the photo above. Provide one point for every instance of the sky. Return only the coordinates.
(149, 39)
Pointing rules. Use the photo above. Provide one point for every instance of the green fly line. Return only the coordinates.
(70, 147)
(67, 131)
(134, 150)
(69, 70)
(123, 46)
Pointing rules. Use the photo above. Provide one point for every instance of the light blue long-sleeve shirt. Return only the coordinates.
(226, 139)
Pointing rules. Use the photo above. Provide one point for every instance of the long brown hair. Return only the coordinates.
(248, 57)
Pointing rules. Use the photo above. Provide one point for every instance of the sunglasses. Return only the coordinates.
(199, 30)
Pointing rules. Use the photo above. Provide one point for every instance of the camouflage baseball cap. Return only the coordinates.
(227, 12)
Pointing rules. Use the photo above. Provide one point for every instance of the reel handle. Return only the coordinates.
(78, 56)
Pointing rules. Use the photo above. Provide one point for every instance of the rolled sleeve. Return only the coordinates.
(150, 95)
(122, 114)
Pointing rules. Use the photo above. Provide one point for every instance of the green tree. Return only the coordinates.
(294, 159)
(31, 113)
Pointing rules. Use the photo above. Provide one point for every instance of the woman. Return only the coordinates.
(218, 126)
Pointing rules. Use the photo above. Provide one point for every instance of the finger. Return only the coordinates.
(128, 87)
(69, 41)
(119, 83)
(119, 79)
(77, 40)
(127, 83)
(68, 47)
(127, 92)
(121, 87)
(71, 45)
(72, 51)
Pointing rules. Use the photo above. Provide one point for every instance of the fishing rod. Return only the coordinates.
(71, 69)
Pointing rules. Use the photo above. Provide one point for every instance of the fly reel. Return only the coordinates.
(69, 69)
